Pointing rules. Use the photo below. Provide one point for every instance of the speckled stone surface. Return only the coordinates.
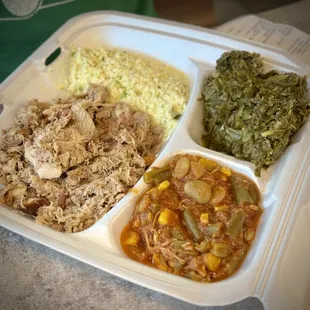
(35, 277)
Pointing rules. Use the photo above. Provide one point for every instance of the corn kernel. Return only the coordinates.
(159, 262)
(203, 161)
(163, 185)
(212, 262)
(204, 218)
(221, 208)
(208, 164)
(226, 171)
(134, 190)
(132, 238)
(167, 217)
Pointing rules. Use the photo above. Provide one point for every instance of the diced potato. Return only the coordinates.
(226, 171)
(159, 262)
(132, 238)
(163, 185)
(167, 217)
(204, 218)
(221, 250)
(221, 208)
(212, 262)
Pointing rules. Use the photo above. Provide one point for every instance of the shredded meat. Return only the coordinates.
(66, 164)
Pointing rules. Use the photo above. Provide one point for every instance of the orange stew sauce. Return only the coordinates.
(197, 221)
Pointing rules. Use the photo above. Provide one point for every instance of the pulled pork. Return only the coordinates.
(68, 163)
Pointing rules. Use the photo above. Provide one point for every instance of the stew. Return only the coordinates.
(197, 221)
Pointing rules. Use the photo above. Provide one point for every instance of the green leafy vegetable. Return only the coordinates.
(250, 114)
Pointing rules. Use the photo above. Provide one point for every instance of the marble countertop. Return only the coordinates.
(33, 276)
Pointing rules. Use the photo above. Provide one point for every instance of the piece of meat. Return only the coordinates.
(85, 124)
(43, 163)
(222, 217)
(197, 264)
(75, 176)
(149, 159)
(13, 193)
(62, 198)
(68, 163)
(31, 116)
(13, 137)
(33, 204)
(46, 188)
(9, 166)
(98, 94)
(55, 148)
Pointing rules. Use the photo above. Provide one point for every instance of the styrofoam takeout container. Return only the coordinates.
(277, 267)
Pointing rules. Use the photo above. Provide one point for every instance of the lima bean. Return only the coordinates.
(198, 190)
(181, 167)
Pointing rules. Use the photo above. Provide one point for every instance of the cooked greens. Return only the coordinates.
(251, 114)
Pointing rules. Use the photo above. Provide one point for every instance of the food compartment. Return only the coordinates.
(125, 212)
(266, 178)
(154, 44)
(51, 80)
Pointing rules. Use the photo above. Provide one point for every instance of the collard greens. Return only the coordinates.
(250, 114)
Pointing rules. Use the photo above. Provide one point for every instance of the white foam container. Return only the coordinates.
(277, 268)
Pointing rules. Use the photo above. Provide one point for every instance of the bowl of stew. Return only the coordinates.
(197, 220)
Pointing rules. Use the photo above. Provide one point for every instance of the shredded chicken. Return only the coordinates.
(66, 164)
